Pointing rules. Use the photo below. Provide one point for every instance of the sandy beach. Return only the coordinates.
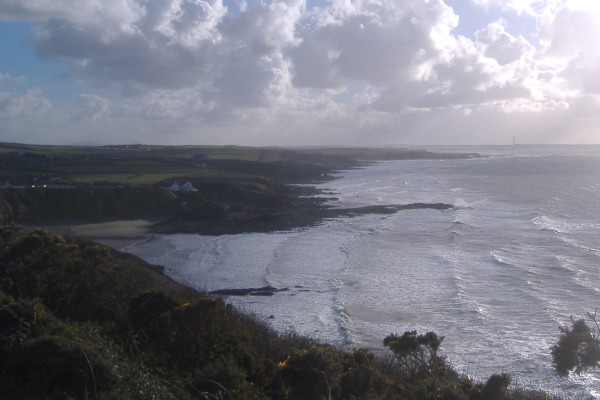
(116, 234)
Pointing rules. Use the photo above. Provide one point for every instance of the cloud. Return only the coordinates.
(184, 22)
(8, 78)
(29, 105)
(256, 73)
(473, 75)
(518, 6)
(571, 37)
(90, 108)
(345, 69)
(115, 16)
(375, 42)
(133, 45)
(265, 26)
(498, 44)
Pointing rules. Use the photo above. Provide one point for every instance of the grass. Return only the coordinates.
(133, 165)
(129, 163)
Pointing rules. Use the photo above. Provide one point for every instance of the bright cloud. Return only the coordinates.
(30, 105)
(90, 107)
(305, 72)
(517, 6)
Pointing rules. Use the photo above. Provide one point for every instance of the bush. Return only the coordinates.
(311, 374)
(56, 367)
(495, 387)
(578, 348)
(416, 354)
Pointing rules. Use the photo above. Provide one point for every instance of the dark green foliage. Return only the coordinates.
(150, 316)
(53, 366)
(578, 348)
(17, 320)
(222, 377)
(416, 354)
(311, 374)
(43, 204)
(68, 278)
(495, 387)
(363, 377)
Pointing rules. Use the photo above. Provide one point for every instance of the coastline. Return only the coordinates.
(230, 196)
(122, 234)
(286, 205)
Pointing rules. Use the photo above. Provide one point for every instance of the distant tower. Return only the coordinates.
(514, 141)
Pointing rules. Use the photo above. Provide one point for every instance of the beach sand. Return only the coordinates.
(116, 234)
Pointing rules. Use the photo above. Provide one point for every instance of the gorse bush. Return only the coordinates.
(578, 348)
(416, 354)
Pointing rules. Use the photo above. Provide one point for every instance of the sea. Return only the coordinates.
(516, 257)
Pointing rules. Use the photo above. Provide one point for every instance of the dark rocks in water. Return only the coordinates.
(302, 213)
(434, 206)
(389, 208)
(262, 291)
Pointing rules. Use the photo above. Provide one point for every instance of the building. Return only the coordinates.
(181, 187)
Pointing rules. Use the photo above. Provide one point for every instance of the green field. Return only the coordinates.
(143, 165)
(130, 165)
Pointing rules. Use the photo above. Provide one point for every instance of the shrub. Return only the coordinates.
(495, 387)
(56, 367)
(311, 374)
(416, 354)
(578, 348)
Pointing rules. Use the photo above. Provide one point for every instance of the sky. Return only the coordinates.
(300, 72)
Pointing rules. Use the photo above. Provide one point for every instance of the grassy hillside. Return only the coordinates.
(81, 321)
(121, 182)
(138, 165)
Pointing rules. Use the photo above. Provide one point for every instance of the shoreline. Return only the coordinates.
(125, 233)
(119, 234)
(271, 198)
(295, 205)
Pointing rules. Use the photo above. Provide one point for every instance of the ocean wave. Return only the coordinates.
(379, 189)
(461, 217)
(462, 204)
(341, 319)
(499, 259)
(581, 246)
(455, 235)
(585, 276)
(545, 223)
(473, 305)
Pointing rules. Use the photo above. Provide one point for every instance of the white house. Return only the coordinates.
(182, 187)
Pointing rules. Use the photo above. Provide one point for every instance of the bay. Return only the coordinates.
(496, 275)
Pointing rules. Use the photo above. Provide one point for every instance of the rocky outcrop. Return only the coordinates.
(262, 291)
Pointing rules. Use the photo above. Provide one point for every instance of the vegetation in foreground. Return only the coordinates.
(81, 321)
